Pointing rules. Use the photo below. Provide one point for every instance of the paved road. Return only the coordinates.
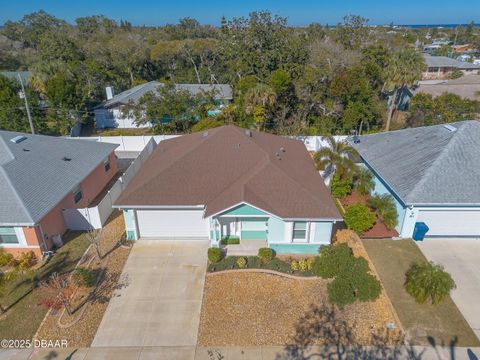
(238, 353)
(461, 258)
(161, 302)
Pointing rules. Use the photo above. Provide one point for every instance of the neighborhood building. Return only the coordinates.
(40, 176)
(432, 173)
(226, 182)
(438, 67)
(109, 114)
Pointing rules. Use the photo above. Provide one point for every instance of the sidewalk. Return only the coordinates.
(239, 353)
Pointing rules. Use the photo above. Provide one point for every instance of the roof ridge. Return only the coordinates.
(431, 169)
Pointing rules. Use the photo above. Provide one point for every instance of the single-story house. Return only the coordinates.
(440, 66)
(109, 113)
(229, 181)
(433, 175)
(41, 175)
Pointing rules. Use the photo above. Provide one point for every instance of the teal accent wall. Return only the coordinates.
(276, 229)
(254, 235)
(244, 209)
(323, 232)
(295, 248)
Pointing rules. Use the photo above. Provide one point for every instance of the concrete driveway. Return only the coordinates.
(161, 302)
(461, 258)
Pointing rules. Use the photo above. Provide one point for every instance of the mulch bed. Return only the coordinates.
(253, 309)
(380, 231)
(353, 198)
(80, 328)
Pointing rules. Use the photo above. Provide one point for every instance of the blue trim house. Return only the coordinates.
(231, 182)
(432, 173)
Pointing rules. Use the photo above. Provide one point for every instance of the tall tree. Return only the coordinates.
(405, 67)
(335, 157)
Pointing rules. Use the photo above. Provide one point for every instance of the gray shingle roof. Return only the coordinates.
(428, 165)
(443, 61)
(34, 178)
(223, 91)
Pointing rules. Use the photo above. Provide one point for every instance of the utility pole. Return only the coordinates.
(24, 96)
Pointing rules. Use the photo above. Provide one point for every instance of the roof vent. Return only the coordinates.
(282, 149)
(450, 127)
(248, 133)
(278, 156)
(18, 139)
(26, 150)
(205, 134)
(356, 139)
(66, 158)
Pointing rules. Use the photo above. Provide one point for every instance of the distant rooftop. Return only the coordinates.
(222, 92)
(443, 61)
(467, 87)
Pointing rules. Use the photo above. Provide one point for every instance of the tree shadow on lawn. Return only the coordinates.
(323, 324)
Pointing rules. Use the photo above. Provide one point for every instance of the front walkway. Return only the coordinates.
(245, 248)
(462, 260)
(161, 303)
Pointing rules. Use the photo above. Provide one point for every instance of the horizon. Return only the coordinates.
(300, 13)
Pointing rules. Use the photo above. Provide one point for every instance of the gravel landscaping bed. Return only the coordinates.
(251, 309)
(82, 332)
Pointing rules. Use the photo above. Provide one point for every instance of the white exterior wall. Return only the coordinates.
(443, 221)
(172, 224)
(113, 118)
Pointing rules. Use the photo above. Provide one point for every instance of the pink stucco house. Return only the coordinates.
(39, 177)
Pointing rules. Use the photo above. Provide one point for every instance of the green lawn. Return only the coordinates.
(24, 315)
(443, 322)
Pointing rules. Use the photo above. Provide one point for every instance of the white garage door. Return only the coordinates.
(450, 223)
(172, 224)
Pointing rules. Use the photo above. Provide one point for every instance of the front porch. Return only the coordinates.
(245, 248)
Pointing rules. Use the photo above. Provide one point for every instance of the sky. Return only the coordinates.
(298, 12)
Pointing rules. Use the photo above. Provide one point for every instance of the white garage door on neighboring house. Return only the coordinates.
(172, 224)
(451, 223)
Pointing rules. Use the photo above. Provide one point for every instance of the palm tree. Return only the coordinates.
(404, 69)
(259, 100)
(335, 158)
(429, 281)
(385, 208)
(364, 181)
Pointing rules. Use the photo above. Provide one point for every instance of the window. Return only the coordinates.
(299, 231)
(106, 165)
(77, 194)
(8, 235)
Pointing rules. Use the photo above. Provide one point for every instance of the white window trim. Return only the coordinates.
(307, 234)
(22, 241)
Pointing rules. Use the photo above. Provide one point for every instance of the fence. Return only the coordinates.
(137, 143)
(94, 217)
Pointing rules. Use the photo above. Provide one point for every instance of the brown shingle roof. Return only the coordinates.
(224, 167)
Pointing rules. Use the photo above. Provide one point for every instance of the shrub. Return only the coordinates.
(359, 218)
(5, 258)
(310, 262)
(341, 185)
(230, 240)
(27, 260)
(214, 254)
(455, 74)
(266, 254)
(428, 281)
(332, 260)
(241, 262)
(385, 208)
(294, 265)
(85, 277)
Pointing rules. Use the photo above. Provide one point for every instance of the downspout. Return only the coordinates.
(43, 238)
